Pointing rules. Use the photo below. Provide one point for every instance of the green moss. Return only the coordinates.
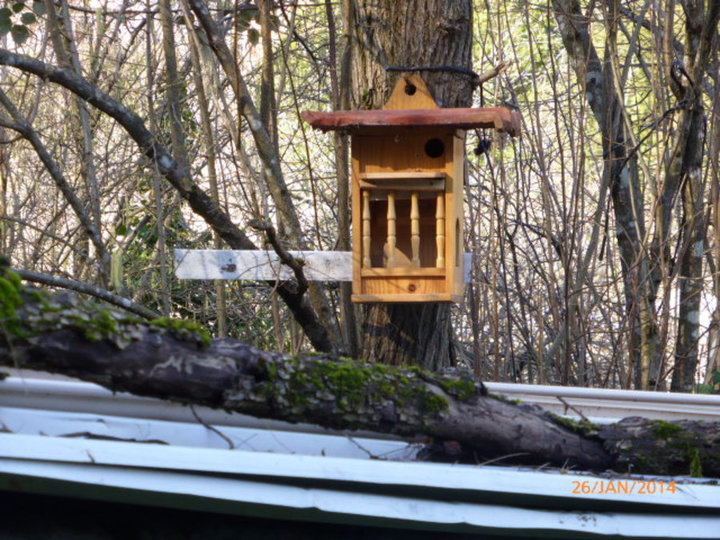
(581, 427)
(44, 313)
(348, 393)
(566, 422)
(184, 330)
(102, 325)
(10, 301)
(436, 403)
(506, 399)
(10, 298)
(462, 389)
(696, 469)
(13, 278)
(664, 429)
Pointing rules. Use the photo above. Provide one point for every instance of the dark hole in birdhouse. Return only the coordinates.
(434, 148)
(410, 89)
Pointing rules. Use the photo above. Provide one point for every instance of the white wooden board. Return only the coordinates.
(264, 265)
(260, 265)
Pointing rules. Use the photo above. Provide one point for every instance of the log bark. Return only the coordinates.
(177, 361)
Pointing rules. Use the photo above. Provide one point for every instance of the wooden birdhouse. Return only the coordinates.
(407, 192)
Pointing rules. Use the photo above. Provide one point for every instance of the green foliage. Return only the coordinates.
(462, 389)
(17, 19)
(664, 429)
(581, 427)
(713, 387)
(696, 469)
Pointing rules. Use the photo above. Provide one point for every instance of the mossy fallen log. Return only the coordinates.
(177, 360)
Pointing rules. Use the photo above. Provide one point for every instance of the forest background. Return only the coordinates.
(595, 236)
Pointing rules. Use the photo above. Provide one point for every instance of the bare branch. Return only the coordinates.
(87, 288)
(201, 203)
(285, 257)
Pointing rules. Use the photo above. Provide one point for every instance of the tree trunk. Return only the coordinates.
(177, 360)
(61, 32)
(701, 28)
(598, 78)
(404, 33)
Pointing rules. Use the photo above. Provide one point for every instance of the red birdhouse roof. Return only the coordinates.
(502, 119)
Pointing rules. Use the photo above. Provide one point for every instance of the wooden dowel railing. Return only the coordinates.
(366, 230)
(415, 229)
(391, 229)
(440, 231)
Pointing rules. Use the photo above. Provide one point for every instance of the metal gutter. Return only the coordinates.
(321, 476)
(338, 506)
(84, 397)
(610, 405)
(601, 405)
(463, 481)
(347, 490)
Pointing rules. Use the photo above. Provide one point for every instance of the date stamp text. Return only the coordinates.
(623, 487)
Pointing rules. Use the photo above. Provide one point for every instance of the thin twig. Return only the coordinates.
(500, 458)
(573, 409)
(494, 72)
(215, 430)
(295, 265)
(87, 288)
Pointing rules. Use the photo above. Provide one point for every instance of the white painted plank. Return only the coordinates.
(265, 265)
(260, 265)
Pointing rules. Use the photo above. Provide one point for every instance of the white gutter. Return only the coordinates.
(447, 498)
(292, 502)
(609, 405)
(83, 397)
(597, 404)
(471, 479)
(275, 483)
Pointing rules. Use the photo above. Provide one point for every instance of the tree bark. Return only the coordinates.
(687, 163)
(60, 25)
(403, 33)
(598, 77)
(270, 158)
(340, 90)
(176, 360)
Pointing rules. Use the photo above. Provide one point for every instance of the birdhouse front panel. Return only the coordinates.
(407, 236)
(407, 192)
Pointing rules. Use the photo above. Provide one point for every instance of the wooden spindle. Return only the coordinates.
(415, 229)
(391, 229)
(440, 231)
(366, 230)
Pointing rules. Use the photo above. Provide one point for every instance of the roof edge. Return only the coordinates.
(501, 119)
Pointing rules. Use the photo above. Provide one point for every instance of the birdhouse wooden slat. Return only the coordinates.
(408, 169)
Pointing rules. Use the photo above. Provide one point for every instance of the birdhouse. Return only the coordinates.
(408, 170)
